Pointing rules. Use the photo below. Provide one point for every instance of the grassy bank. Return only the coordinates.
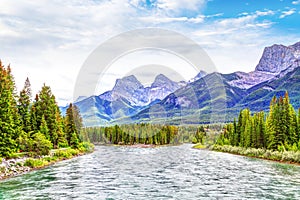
(284, 156)
(23, 164)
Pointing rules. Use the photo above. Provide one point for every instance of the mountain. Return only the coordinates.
(206, 98)
(133, 91)
(194, 102)
(201, 74)
(221, 96)
(127, 98)
(277, 60)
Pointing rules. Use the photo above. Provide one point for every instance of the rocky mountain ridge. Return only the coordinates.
(195, 101)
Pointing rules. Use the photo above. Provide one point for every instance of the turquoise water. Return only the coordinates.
(177, 172)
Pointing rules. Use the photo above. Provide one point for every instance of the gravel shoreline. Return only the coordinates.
(13, 167)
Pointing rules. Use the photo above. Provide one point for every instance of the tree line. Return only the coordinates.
(278, 130)
(144, 133)
(37, 125)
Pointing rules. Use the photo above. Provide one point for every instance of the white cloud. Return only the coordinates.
(236, 44)
(264, 13)
(48, 41)
(287, 13)
(296, 2)
(178, 5)
(158, 20)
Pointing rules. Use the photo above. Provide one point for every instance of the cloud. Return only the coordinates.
(238, 41)
(287, 13)
(158, 20)
(264, 13)
(296, 2)
(178, 5)
(48, 41)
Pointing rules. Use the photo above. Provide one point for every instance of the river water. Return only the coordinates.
(176, 172)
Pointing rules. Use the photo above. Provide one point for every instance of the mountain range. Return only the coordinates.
(207, 98)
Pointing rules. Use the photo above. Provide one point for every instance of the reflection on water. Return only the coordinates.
(177, 172)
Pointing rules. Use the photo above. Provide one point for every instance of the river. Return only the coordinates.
(176, 172)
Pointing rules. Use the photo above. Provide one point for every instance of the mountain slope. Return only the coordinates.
(127, 98)
(206, 98)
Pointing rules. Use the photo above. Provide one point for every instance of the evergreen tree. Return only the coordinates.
(24, 106)
(46, 106)
(9, 118)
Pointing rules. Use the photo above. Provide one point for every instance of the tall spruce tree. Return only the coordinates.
(24, 101)
(45, 105)
(73, 122)
(9, 118)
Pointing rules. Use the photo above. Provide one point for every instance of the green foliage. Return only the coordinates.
(66, 153)
(86, 147)
(199, 146)
(35, 163)
(134, 134)
(73, 124)
(9, 118)
(24, 101)
(47, 108)
(200, 135)
(24, 142)
(44, 128)
(279, 131)
(74, 141)
(63, 144)
(41, 145)
(33, 127)
(285, 156)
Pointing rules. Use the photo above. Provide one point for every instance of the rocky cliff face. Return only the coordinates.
(276, 61)
(279, 58)
(132, 90)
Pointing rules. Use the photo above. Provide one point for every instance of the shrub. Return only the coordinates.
(33, 163)
(41, 145)
(63, 144)
(13, 155)
(47, 158)
(86, 147)
(68, 153)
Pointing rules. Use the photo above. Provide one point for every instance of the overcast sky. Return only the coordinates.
(49, 40)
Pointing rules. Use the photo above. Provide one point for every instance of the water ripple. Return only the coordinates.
(177, 172)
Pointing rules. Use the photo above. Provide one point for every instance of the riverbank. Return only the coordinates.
(287, 157)
(19, 166)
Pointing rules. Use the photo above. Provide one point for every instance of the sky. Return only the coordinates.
(49, 40)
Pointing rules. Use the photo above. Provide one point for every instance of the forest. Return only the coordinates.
(154, 134)
(279, 130)
(34, 126)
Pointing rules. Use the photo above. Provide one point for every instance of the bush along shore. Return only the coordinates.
(22, 163)
(292, 157)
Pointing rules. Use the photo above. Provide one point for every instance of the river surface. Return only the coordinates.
(176, 172)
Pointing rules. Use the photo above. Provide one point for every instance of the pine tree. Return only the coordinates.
(24, 106)
(9, 118)
(235, 133)
(45, 105)
(261, 130)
